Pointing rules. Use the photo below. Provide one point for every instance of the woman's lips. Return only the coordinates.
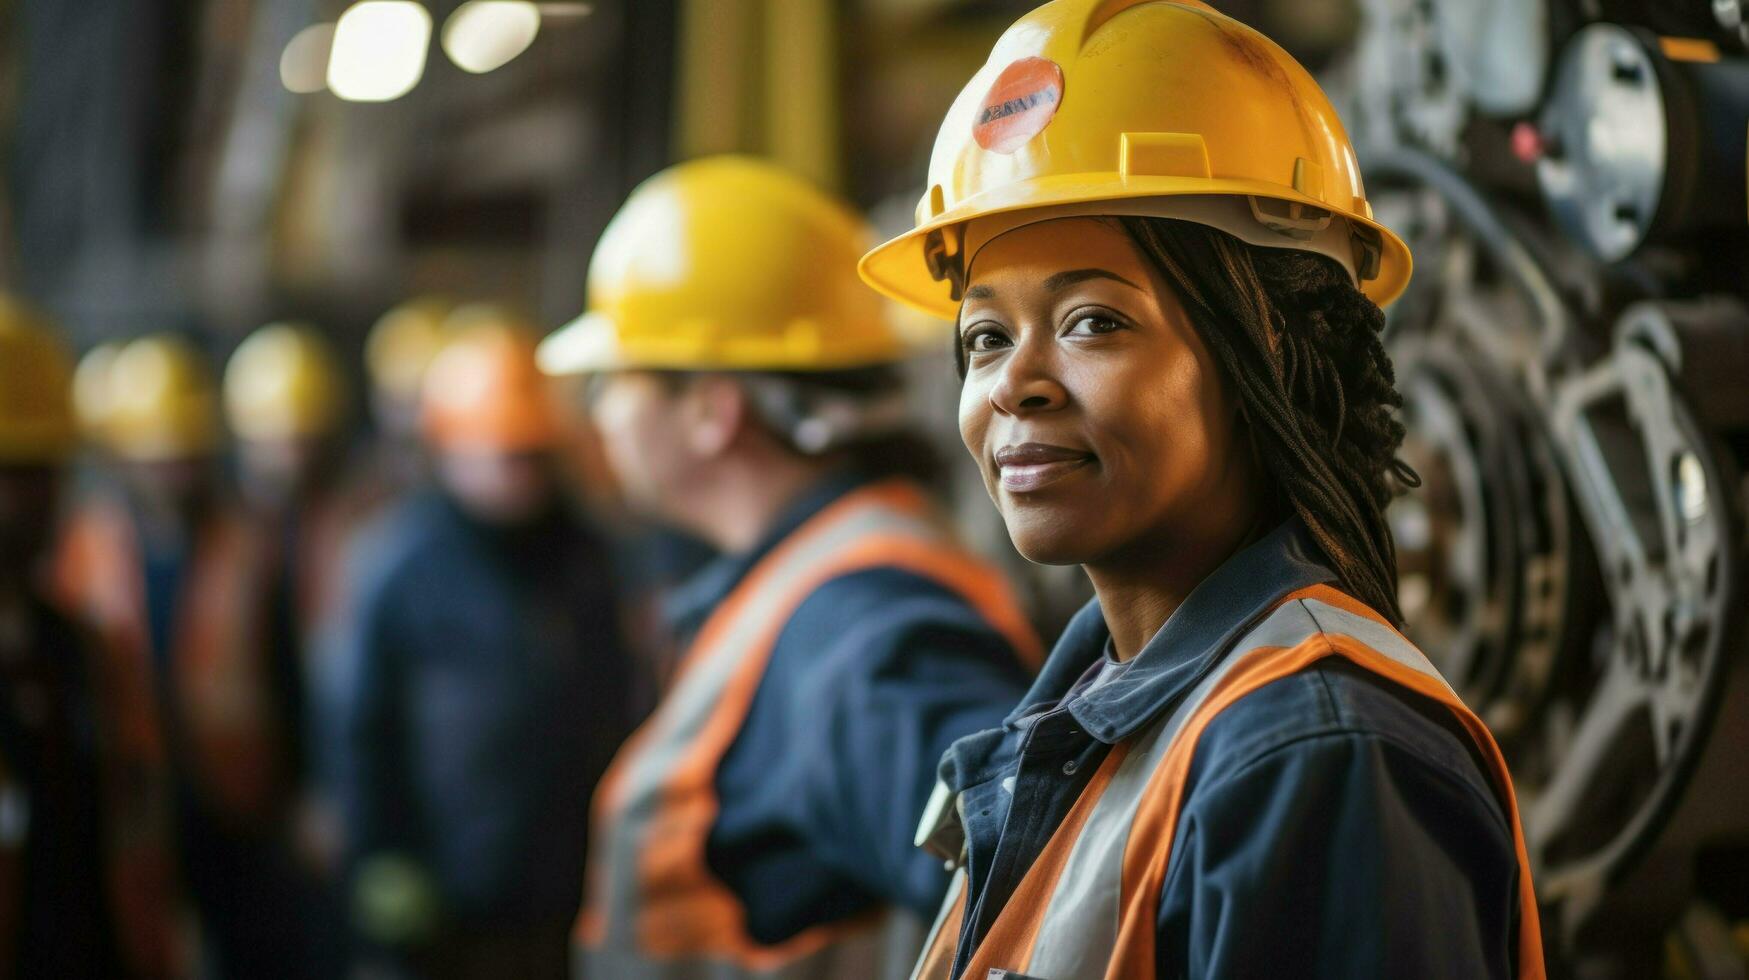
(1033, 466)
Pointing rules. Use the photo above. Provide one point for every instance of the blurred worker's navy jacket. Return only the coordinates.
(875, 674)
(1333, 824)
(481, 688)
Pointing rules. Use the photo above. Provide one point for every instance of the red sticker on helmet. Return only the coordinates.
(1022, 101)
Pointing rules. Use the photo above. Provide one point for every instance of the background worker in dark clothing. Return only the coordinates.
(284, 398)
(63, 894)
(177, 581)
(483, 686)
(285, 403)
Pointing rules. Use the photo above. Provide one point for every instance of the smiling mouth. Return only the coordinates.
(1025, 469)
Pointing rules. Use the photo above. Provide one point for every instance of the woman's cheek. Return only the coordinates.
(974, 412)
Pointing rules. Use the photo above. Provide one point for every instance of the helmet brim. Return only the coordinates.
(899, 269)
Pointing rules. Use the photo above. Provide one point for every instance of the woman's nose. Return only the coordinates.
(1027, 383)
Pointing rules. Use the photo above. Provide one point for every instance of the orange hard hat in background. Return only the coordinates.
(484, 391)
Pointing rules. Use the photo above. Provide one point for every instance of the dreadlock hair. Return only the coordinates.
(1299, 347)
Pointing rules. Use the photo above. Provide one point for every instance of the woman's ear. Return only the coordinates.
(714, 410)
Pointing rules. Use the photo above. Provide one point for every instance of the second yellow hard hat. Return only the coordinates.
(401, 344)
(1163, 108)
(727, 263)
(283, 382)
(162, 402)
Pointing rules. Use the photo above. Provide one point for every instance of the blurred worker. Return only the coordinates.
(91, 408)
(484, 685)
(1149, 223)
(91, 393)
(284, 400)
(397, 352)
(761, 822)
(177, 581)
(83, 878)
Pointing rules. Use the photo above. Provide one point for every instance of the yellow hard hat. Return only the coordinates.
(484, 392)
(1164, 108)
(162, 403)
(402, 343)
(92, 392)
(36, 409)
(283, 382)
(727, 263)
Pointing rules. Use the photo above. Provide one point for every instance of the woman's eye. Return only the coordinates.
(984, 340)
(1093, 323)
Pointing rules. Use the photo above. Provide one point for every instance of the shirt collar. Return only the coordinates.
(1238, 593)
(689, 604)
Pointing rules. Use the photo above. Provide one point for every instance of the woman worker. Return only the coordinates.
(1151, 227)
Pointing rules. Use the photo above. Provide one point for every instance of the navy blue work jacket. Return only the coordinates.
(1333, 825)
(477, 688)
(872, 678)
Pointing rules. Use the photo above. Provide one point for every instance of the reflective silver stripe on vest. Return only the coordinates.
(1079, 929)
(685, 711)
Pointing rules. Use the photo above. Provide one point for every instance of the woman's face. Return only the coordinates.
(1093, 410)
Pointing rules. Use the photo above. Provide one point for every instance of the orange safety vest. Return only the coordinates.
(218, 656)
(1088, 907)
(653, 907)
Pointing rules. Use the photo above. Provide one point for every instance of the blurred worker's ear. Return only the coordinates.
(715, 412)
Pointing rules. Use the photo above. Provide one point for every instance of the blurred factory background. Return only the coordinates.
(1574, 348)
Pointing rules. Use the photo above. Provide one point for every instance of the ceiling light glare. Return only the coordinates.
(379, 50)
(303, 65)
(485, 34)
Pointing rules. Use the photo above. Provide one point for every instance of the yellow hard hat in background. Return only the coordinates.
(162, 402)
(727, 263)
(402, 343)
(483, 391)
(1147, 107)
(36, 378)
(92, 392)
(283, 382)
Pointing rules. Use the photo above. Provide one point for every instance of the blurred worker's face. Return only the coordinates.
(278, 472)
(29, 496)
(644, 436)
(499, 487)
(1093, 410)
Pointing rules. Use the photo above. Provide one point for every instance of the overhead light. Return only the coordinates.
(485, 34)
(379, 50)
(303, 66)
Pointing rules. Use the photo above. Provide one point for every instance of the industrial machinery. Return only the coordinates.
(1574, 358)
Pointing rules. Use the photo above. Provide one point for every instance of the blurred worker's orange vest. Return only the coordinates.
(1090, 903)
(219, 682)
(653, 905)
